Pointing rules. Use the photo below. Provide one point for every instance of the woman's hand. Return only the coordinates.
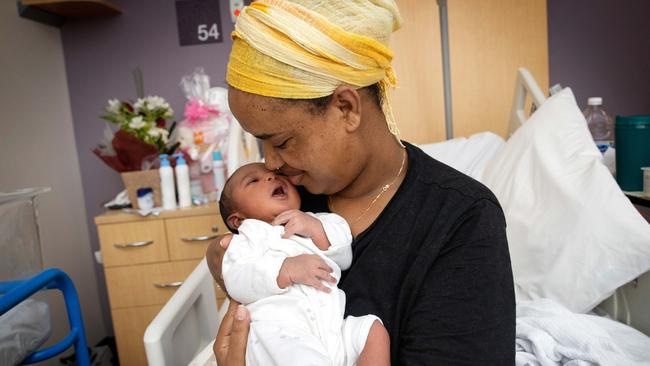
(214, 256)
(230, 345)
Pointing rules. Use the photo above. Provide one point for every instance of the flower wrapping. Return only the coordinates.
(142, 133)
(130, 152)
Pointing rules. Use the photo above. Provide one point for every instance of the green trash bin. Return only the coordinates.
(632, 150)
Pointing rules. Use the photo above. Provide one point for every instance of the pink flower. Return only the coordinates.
(196, 111)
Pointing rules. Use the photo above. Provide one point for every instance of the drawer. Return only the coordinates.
(146, 284)
(133, 243)
(189, 236)
(130, 325)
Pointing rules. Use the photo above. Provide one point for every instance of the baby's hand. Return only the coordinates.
(306, 269)
(298, 222)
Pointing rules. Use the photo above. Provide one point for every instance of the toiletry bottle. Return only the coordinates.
(183, 182)
(219, 171)
(145, 198)
(167, 183)
(195, 183)
(207, 178)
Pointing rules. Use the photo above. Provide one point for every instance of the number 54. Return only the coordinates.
(204, 33)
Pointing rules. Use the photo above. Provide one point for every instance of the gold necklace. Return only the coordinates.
(383, 190)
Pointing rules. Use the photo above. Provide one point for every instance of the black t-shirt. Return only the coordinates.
(435, 267)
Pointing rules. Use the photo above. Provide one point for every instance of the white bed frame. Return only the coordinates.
(525, 85)
(190, 319)
(187, 323)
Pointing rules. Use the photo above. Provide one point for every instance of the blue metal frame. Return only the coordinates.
(17, 291)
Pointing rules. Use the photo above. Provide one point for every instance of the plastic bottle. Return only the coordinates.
(183, 182)
(207, 178)
(167, 183)
(219, 171)
(195, 183)
(600, 124)
(601, 127)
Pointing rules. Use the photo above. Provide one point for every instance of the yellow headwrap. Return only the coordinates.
(303, 49)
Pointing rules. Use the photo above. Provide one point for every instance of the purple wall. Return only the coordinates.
(100, 56)
(602, 48)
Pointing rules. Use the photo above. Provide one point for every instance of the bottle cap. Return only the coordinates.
(164, 161)
(216, 155)
(180, 160)
(595, 101)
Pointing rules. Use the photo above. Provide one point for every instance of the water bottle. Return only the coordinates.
(601, 127)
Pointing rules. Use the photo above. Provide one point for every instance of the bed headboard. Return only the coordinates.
(524, 85)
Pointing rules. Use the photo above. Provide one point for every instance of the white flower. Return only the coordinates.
(156, 102)
(138, 105)
(113, 106)
(137, 122)
(159, 132)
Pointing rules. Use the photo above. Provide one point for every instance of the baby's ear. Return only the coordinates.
(235, 220)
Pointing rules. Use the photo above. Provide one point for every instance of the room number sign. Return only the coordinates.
(198, 21)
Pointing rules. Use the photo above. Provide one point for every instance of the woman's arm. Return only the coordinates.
(214, 257)
(464, 313)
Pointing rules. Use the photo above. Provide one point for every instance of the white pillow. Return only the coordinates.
(467, 155)
(573, 236)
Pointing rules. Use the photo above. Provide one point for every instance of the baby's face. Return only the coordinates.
(261, 194)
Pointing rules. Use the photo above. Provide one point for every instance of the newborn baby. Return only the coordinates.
(283, 265)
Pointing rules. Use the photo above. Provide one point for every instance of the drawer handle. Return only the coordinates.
(215, 229)
(134, 244)
(200, 238)
(168, 284)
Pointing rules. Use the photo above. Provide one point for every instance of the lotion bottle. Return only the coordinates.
(183, 182)
(167, 183)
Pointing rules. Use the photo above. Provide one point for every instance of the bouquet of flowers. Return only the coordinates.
(142, 133)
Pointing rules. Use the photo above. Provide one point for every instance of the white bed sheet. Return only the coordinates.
(549, 334)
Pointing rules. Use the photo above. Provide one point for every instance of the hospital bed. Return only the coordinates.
(184, 330)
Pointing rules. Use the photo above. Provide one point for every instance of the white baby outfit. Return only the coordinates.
(297, 325)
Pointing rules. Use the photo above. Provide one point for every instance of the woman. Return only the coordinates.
(430, 256)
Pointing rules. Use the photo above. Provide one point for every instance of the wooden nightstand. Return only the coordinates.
(145, 260)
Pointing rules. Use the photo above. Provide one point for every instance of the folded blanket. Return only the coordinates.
(549, 334)
(23, 329)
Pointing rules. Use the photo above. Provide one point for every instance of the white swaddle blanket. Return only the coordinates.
(548, 334)
(297, 325)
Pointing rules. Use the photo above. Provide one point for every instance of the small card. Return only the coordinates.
(198, 22)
